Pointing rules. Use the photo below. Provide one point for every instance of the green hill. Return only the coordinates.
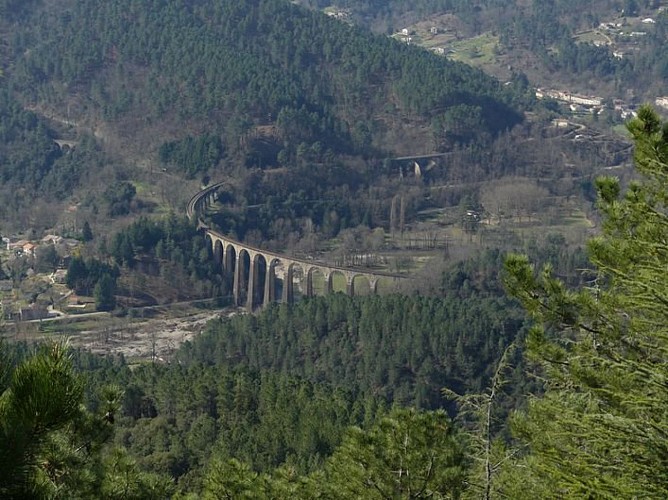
(228, 67)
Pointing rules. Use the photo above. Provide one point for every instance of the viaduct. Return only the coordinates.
(257, 271)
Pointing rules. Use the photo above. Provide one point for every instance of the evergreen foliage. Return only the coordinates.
(192, 155)
(402, 349)
(83, 275)
(600, 429)
(170, 242)
(241, 63)
(407, 454)
(50, 446)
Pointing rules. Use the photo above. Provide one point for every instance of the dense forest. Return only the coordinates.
(241, 64)
(257, 406)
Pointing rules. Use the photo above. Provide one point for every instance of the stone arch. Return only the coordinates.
(256, 280)
(241, 275)
(317, 278)
(373, 284)
(218, 253)
(362, 285)
(229, 258)
(294, 282)
(271, 283)
(299, 275)
(287, 295)
(337, 281)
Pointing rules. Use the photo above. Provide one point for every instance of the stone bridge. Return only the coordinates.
(258, 273)
(65, 145)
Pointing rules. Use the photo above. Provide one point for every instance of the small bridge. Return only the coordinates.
(257, 271)
(64, 144)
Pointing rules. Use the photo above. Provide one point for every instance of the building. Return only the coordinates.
(662, 101)
(52, 239)
(33, 312)
(29, 249)
(59, 276)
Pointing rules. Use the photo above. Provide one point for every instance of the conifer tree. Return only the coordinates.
(601, 428)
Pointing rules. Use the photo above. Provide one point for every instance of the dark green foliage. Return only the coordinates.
(46, 258)
(408, 454)
(240, 62)
(600, 429)
(50, 446)
(175, 417)
(28, 150)
(173, 239)
(13, 10)
(104, 291)
(325, 194)
(192, 155)
(83, 275)
(32, 164)
(118, 197)
(86, 232)
(402, 349)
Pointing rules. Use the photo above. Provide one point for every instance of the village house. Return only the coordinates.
(662, 101)
(52, 239)
(59, 276)
(33, 312)
(29, 249)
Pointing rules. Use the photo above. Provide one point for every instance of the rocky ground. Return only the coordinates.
(135, 338)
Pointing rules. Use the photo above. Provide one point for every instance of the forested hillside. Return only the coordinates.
(229, 66)
(546, 39)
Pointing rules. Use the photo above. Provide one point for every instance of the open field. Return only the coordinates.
(476, 51)
(135, 338)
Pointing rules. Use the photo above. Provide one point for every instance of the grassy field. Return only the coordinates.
(592, 36)
(475, 51)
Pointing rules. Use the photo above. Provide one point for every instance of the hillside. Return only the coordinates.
(163, 69)
(613, 49)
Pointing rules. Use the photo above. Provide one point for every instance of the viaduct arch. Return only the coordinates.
(256, 271)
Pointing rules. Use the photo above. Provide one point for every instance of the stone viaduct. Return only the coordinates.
(256, 271)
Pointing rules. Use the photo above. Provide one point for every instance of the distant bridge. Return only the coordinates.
(64, 144)
(256, 271)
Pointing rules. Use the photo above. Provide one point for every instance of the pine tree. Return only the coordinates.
(601, 429)
(49, 445)
(86, 232)
(104, 291)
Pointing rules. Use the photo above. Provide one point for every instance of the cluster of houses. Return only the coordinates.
(340, 14)
(578, 103)
(17, 248)
(662, 102)
(28, 247)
